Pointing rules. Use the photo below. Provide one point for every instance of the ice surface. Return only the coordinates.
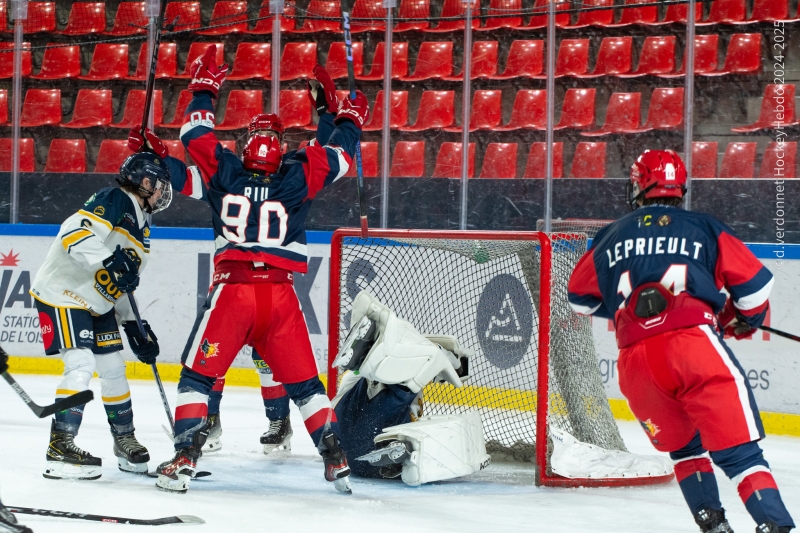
(249, 492)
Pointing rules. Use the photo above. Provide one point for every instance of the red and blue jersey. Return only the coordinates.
(683, 250)
(256, 217)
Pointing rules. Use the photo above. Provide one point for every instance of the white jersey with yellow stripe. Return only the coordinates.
(73, 275)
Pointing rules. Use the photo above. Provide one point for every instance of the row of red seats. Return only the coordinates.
(231, 16)
(436, 110)
(434, 61)
(499, 161)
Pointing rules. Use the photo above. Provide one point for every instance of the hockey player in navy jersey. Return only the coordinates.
(657, 273)
(259, 203)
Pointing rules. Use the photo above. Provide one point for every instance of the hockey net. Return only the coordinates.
(534, 378)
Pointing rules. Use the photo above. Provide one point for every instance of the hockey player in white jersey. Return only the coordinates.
(80, 293)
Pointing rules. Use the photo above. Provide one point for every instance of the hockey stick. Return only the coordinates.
(179, 519)
(151, 77)
(780, 333)
(69, 402)
(351, 82)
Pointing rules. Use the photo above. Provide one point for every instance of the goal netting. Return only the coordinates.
(535, 378)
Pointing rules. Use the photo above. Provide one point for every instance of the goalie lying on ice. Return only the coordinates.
(386, 364)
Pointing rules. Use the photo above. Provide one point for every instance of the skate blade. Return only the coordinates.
(212, 446)
(278, 449)
(343, 485)
(395, 453)
(179, 486)
(131, 468)
(56, 470)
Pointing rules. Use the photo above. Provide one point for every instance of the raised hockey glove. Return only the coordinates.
(145, 350)
(3, 360)
(356, 111)
(206, 75)
(322, 92)
(123, 269)
(147, 142)
(732, 324)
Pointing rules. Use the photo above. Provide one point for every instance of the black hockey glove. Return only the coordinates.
(123, 269)
(146, 351)
(3, 360)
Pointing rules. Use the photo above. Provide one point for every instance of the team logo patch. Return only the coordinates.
(99, 210)
(650, 428)
(209, 349)
(146, 232)
(664, 220)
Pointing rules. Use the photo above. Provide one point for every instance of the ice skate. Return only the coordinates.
(395, 453)
(174, 475)
(8, 522)
(66, 461)
(214, 442)
(769, 527)
(712, 521)
(278, 436)
(336, 468)
(131, 455)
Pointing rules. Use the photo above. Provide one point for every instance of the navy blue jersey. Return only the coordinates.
(257, 217)
(683, 250)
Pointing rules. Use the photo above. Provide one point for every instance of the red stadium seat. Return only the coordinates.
(448, 161)
(252, 61)
(336, 64)
(298, 61)
(589, 160)
(134, 109)
(370, 164)
(436, 111)
(591, 16)
(60, 62)
(230, 145)
(368, 9)
(666, 110)
(525, 60)
(536, 164)
(578, 110)
(176, 149)
(657, 57)
(109, 62)
(321, 16)
(66, 155)
(186, 13)
(500, 161)
(486, 111)
(131, 19)
(413, 9)
(111, 156)
(769, 11)
(399, 62)
(484, 61)
(294, 109)
(27, 161)
(771, 112)
(264, 22)
(227, 17)
(408, 160)
(529, 111)
(180, 110)
(241, 107)
(498, 8)
(623, 115)
(41, 18)
(739, 161)
(572, 58)
(456, 10)
(42, 107)
(705, 57)
(542, 6)
(398, 116)
(676, 14)
(637, 15)
(725, 12)
(743, 56)
(3, 107)
(704, 160)
(434, 61)
(167, 64)
(780, 161)
(7, 60)
(4, 22)
(613, 58)
(92, 108)
(196, 50)
(86, 18)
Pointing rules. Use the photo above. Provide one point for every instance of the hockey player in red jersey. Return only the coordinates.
(657, 273)
(259, 203)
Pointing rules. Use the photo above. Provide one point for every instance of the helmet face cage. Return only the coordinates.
(163, 202)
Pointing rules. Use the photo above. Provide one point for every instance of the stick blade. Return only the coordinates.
(69, 402)
(189, 519)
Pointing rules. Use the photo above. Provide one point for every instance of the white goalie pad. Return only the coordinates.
(575, 459)
(400, 354)
(443, 447)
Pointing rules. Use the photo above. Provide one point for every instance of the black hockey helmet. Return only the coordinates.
(147, 165)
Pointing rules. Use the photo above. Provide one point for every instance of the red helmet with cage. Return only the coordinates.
(263, 150)
(657, 174)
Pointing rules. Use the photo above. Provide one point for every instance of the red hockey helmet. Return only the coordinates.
(263, 150)
(657, 174)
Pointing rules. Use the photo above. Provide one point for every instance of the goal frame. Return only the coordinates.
(543, 356)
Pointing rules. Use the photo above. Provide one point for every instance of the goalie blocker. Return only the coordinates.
(386, 364)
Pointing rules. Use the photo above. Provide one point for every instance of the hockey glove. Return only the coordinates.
(3, 360)
(149, 141)
(322, 92)
(123, 269)
(206, 75)
(146, 351)
(356, 111)
(732, 324)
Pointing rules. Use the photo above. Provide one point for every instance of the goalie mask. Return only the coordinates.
(147, 165)
(656, 174)
(263, 151)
